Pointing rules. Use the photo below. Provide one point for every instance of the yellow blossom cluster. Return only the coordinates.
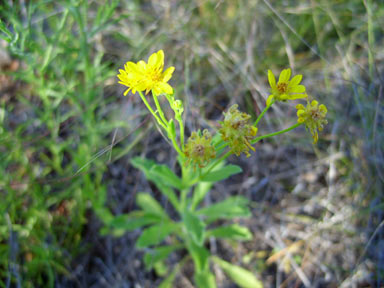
(147, 77)
(313, 117)
(237, 131)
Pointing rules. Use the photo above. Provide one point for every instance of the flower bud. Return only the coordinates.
(237, 131)
(199, 149)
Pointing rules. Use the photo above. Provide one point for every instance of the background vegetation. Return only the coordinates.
(67, 134)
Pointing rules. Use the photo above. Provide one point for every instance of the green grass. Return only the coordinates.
(63, 111)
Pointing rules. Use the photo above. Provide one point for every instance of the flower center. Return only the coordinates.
(315, 114)
(199, 149)
(282, 87)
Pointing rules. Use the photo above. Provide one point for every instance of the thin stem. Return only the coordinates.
(151, 110)
(275, 133)
(161, 113)
(221, 159)
(181, 128)
(263, 112)
(177, 148)
(218, 161)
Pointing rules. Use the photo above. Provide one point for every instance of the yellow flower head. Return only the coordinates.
(237, 131)
(199, 149)
(285, 89)
(313, 116)
(149, 76)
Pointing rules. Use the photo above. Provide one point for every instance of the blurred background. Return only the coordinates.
(67, 134)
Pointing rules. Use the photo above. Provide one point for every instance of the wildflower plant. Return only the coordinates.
(202, 163)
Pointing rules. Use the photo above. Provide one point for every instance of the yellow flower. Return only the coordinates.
(237, 131)
(285, 89)
(313, 116)
(149, 76)
(199, 149)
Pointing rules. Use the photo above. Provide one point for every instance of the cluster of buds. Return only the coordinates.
(237, 131)
(313, 117)
(199, 149)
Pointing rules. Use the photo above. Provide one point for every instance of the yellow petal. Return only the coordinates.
(300, 106)
(160, 57)
(271, 79)
(314, 103)
(131, 67)
(285, 75)
(297, 96)
(141, 66)
(300, 112)
(300, 120)
(152, 60)
(295, 80)
(323, 108)
(163, 88)
(168, 74)
(297, 89)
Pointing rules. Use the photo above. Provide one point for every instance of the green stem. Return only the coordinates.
(151, 110)
(181, 128)
(218, 161)
(177, 148)
(275, 133)
(161, 113)
(263, 112)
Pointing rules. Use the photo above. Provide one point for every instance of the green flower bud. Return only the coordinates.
(199, 149)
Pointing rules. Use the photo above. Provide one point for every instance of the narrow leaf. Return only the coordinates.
(205, 279)
(199, 193)
(222, 173)
(195, 227)
(159, 254)
(133, 220)
(167, 176)
(150, 205)
(234, 231)
(241, 276)
(230, 208)
(146, 165)
(167, 282)
(199, 255)
(155, 234)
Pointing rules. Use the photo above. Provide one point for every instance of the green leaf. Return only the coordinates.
(150, 205)
(241, 276)
(205, 279)
(167, 282)
(160, 268)
(168, 192)
(145, 166)
(234, 231)
(159, 254)
(8, 35)
(133, 220)
(195, 227)
(167, 176)
(222, 173)
(171, 130)
(199, 255)
(155, 234)
(199, 193)
(232, 207)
